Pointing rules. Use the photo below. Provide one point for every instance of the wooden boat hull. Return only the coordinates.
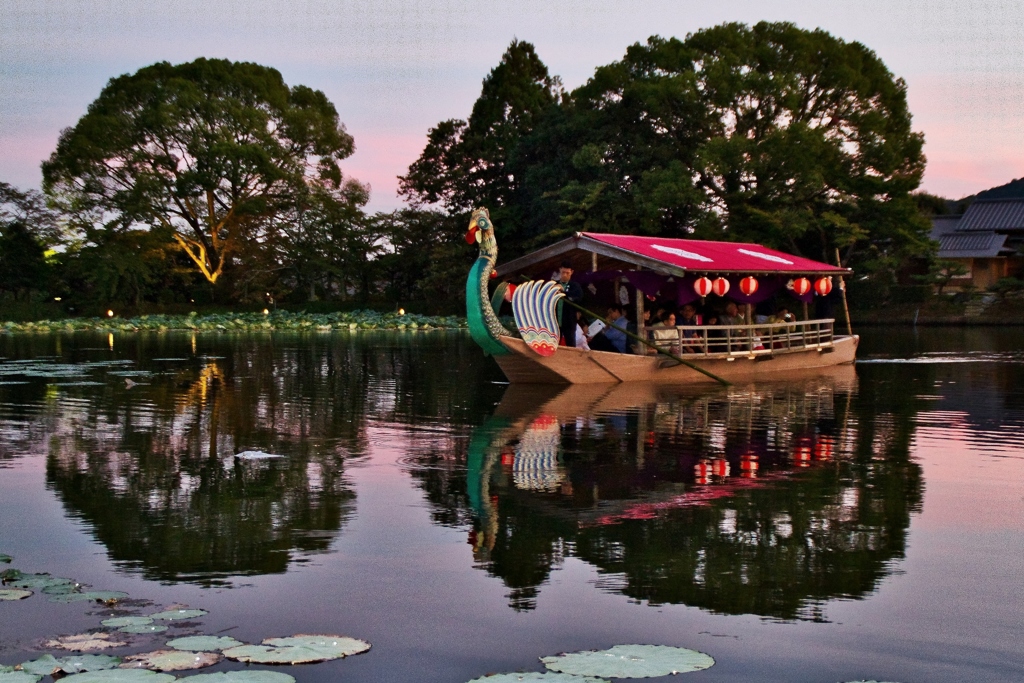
(574, 366)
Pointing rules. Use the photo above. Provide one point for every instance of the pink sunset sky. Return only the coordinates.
(394, 68)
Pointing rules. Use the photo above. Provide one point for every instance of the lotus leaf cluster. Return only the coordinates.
(245, 322)
(19, 585)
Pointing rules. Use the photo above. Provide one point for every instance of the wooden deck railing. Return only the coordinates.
(743, 340)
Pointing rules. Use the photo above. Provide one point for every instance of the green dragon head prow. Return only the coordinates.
(484, 326)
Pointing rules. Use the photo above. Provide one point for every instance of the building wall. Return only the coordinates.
(983, 272)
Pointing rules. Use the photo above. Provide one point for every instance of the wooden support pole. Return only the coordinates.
(842, 289)
(639, 312)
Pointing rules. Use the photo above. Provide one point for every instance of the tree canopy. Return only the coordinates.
(771, 133)
(474, 162)
(211, 150)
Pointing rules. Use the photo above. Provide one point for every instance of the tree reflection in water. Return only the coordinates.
(768, 500)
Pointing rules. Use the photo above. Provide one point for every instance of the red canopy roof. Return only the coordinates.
(713, 257)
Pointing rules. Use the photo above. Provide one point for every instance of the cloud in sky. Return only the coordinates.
(395, 68)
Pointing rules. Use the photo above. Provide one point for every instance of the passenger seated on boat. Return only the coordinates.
(617, 332)
(664, 333)
(582, 341)
(613, 337)
(717, 339)
(781, 335)
(688, 317)
(731, 316)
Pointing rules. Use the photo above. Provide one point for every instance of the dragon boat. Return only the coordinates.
(639, 270)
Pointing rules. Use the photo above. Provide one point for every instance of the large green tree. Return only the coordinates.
(769, 133)
(211, 151)
(475, 162)
(327, 243)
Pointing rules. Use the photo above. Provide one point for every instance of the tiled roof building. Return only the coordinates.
(988, 238)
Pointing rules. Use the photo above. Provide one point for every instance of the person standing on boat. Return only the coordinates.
(574, 293)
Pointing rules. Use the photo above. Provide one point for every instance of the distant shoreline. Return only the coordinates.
(243, 322)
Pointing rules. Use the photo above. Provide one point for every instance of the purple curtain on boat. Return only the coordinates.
(599, 276)
(685, 293)
(681, 289)
(767, 286)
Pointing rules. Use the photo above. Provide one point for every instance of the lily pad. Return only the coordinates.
(250, 676)
(14, 593)
(299, 649)
(18, 677)
(630, 661)
(171, 660)
(143, 628)
(39, 581)
(48, 664)
(538, 677)
(97, 596)
(204, 643)
(118, 622)
(176, 614)
(85, 642)
(44, 666)
(120, 676)
(5, 559)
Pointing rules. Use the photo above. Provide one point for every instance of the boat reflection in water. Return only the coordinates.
(765, 499)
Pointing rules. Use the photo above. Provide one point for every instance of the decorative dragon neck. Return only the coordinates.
(484, 326)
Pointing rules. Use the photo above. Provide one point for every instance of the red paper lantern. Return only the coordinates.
(823, 449)
(800, 286)
(702, 286)
(720, 286)
(720, 467)
(748, 466)
(748, 285)
(702, 472)
(823, 286)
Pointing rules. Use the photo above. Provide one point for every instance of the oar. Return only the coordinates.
(647, 343)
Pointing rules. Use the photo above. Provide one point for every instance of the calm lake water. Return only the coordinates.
(866, 524)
